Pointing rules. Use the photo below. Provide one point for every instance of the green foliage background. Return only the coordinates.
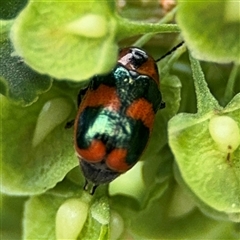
(184, 186)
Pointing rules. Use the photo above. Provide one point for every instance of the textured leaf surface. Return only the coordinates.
(211, 29)
(211, 174)
(68, 40)
(28, 168)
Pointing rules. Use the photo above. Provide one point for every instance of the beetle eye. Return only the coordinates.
(138, 57)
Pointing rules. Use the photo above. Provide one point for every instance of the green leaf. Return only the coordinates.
(136, 189)
(67, 188)
(68, 40)
(39, 217)
(212, 175)
(206, 209)
(74, 40)
(97, 225)
(9, 9)
(45, 214)
(211, 29)
(157, 175)
(37, 151)
(5, 29)
(158, 221)
(18, 82)
(11, 209)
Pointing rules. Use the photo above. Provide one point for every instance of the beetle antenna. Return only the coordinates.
(170, 52)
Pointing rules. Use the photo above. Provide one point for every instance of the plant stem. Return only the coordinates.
(127, 28)
(172, 59)
(205, 100)
(144, 39)
(229, 91)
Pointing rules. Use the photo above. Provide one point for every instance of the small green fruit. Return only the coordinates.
(225, 132)
(70, 218)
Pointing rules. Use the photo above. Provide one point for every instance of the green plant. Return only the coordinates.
(187, 184)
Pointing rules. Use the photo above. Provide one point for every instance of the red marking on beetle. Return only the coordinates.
(94, 153)
(142, 110)
(103, 96)
(148, 68)
(116, 160)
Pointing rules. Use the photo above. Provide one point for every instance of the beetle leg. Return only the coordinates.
(81, 94)
(162, 105)
(93, 189)
(69, 124)
(85, 187)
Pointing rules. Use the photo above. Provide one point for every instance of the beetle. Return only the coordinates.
(116, 115)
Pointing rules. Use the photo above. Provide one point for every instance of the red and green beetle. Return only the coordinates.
(115, 117)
